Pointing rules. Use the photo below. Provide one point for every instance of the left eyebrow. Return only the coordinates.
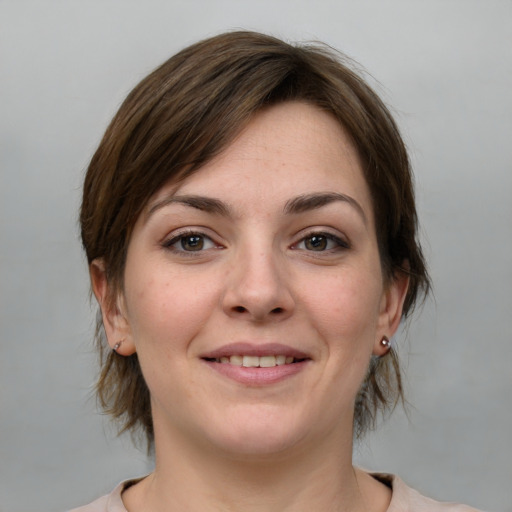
(205, 204)
(313, 201)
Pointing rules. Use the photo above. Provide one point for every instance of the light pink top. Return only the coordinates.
(404, 499)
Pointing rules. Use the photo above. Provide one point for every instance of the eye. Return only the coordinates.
(190, 242)
(321, 242)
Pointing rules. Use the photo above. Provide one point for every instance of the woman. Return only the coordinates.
(250, 227)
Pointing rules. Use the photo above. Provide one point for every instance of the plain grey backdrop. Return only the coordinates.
(445, 67)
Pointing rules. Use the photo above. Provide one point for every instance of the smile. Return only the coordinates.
(257, 364)
(249, 361)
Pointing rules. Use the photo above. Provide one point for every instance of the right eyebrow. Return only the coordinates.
(203, 203)
(306, 202)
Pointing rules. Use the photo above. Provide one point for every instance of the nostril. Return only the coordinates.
(239, 309)
(277, 310)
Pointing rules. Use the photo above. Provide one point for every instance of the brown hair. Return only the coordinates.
(187, 111)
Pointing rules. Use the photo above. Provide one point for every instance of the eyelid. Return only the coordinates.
(174, 237)
(341, 240)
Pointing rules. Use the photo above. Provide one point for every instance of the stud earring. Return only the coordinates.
(117, 345)
(384, 342)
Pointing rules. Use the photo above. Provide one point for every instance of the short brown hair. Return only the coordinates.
(186, 112)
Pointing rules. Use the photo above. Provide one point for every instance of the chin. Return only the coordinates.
(259, 433)
(258, 444)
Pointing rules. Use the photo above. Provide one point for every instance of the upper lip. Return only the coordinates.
(255, 349)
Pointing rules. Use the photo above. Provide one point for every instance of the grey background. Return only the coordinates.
(444, 66)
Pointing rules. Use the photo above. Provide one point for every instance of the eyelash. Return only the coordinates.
(182, 236)
(322, 236)
(341, 244)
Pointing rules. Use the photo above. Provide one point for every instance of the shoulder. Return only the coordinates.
(99, 505)
(110, 503)
(405, 499)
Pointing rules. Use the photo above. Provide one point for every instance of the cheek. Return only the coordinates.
(347, 306)
(166, 309)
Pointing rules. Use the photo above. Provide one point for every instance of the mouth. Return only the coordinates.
(257, 364)
(249, 361)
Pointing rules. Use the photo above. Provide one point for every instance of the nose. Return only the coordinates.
(257, 288)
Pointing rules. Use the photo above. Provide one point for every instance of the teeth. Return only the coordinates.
(280, 360)
(251, 361)
(256, 362)
(236, 360)
(267, 361)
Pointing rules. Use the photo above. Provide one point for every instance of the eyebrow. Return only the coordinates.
(313, 201)
(205, 204)
(299, 204)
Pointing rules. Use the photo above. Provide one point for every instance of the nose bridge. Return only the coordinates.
(257, 284)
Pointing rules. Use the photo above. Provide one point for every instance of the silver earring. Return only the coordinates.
(384, 342)
(117, 345)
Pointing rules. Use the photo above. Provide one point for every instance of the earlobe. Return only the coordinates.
(390, 315)
(115, 323)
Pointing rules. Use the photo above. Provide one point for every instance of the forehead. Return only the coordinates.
(290, 147)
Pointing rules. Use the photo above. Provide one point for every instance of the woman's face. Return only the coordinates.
(254, 294)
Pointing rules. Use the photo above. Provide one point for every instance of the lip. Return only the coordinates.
(256, 377)
(255, 349)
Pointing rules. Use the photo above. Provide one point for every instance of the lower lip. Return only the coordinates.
(258, 376)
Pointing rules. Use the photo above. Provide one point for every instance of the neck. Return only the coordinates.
(189, 476)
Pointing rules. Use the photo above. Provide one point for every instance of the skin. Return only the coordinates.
(260, 277)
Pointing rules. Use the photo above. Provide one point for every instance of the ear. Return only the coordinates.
(115, 322)
(391, 308)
